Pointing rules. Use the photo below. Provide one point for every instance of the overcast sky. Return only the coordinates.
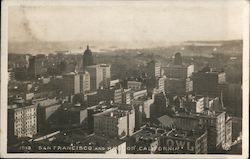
(128, 22)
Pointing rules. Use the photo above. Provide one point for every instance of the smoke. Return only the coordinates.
(26, 26)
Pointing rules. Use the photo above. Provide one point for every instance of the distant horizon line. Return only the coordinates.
(214, 40)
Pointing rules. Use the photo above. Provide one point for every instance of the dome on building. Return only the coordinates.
(87, 57)
(178, 59)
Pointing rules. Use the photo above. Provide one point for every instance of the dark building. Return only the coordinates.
(208, 82)
(37, 66)
(87, 58)
(159, 106)
(178, 59)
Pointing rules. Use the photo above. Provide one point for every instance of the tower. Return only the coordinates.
(87, 59)
(177, 59)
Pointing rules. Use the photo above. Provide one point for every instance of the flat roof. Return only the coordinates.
(184, 134)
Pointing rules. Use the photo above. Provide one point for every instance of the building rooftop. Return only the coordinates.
(16, 107)
(149, 134)
(204, 114)
(116, 113)
(100, 141)
(166, 120)
(184, 134)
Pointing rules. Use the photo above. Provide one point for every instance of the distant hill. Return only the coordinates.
(187, 48)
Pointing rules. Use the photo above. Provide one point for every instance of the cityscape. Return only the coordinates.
(125, 77)
(67, 102)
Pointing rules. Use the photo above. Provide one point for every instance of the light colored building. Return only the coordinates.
(113, 83)
(115, 123)
(184, 142)
(142, 111)
(189, 85)
(229, 130)
(96, 76)
(71, 83)
(22, 121)
(197, 104)
(215, 122)
(146, 104)
(138, 94)
(161, 84)
(106, 74)
(96, 109)
(134, 85)
(84, 82)
(117, 95)
(126, 96)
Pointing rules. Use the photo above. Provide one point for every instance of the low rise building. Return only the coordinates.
(72, 115)
(115, 123)
(145, 141)
(183, 142)
(197, 105)
(138, 94)
(134, 85)
(91, 111)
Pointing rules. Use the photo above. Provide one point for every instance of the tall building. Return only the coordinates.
(46, 109)
(126, 96)
(178, 76)
(142, 111)
(84, 82)
(71, 83)
(208, 82)
(96, 76)
(154, 69)
(215, 123)
(179, 71)
(22, 121)
(87, 59)
(106, 75)
(36, 66)
(178, 59)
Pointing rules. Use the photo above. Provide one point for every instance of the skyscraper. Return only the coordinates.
(178, 59)
(208, 82)
(36, 66)
(179, 76)
(96, 76)
(71, 83)
(87, 59)
(106, 74)
(154, 69)
(84, 82)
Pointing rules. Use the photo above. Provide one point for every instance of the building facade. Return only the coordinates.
(22, 121)
(115, 123)
(71, 82)
(154, 69)
(96, 76)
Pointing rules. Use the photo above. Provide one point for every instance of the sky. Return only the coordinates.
(132, 22)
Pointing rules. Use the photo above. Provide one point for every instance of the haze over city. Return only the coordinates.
(123, 25)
